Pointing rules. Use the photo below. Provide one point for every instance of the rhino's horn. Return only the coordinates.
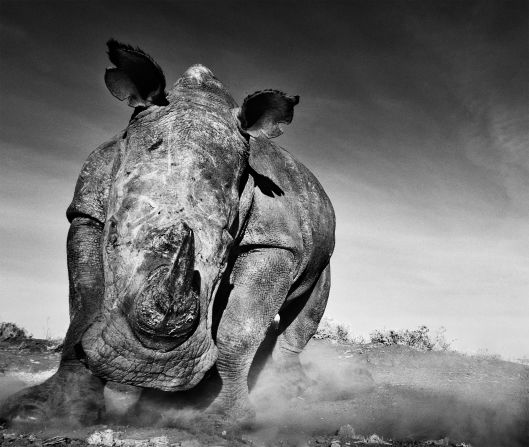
(180, 278)
(167, 312)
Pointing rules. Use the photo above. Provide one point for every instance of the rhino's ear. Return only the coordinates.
(136, 77)
(263, 112)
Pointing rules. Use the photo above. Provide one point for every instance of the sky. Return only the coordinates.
(414, 116)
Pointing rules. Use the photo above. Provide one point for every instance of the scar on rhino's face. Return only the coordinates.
(155, 145)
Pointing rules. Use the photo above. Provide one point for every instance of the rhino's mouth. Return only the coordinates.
(114, 352)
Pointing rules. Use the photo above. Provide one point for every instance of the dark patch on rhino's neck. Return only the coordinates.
(265, 184)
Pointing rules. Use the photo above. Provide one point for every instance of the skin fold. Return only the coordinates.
(189, 232)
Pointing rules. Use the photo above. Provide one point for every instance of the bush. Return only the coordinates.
(329, 329)
(419, 338)
(10, 331)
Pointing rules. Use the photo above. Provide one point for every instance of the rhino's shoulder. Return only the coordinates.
(269, 160)
(290, 207)
(93, 184)
(287, 173)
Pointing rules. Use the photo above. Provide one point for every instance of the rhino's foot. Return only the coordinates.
(293, 381)
(236, 412)
(72, 396)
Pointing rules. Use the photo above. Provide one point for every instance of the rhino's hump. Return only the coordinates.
(91, 191)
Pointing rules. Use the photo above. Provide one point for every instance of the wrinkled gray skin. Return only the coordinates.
(190, 231)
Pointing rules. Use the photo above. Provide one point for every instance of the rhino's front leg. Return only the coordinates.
(261, 279)
(72, 393)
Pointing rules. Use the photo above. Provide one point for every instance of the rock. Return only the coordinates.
(159, 441)
(104, 437)
(440, 442)
(56, 440)
(190, 443)
(111, 438)
(375, 439)
(347, 432)
(335, 443)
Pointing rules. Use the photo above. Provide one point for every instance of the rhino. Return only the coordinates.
(190, 232)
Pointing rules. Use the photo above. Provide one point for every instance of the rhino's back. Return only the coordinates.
(290, 210)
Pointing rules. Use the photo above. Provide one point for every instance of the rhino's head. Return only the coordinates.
(174, 204)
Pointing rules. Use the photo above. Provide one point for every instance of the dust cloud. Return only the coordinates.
(397, 395)
(393, 391)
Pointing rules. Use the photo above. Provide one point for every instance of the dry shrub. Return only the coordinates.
(10, 331)
(329, 329)
(420, 338)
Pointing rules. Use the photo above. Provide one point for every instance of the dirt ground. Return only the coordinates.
(362, 395)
